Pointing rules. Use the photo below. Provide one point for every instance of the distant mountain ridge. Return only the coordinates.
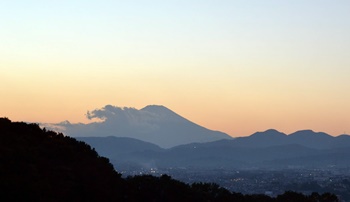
(268, 149)
(306, 138)
(154, 124)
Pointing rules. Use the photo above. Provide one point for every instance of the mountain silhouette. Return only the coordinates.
(312, 139)
(267, 138)
(155, 124)
(306, 138)
(268, 149)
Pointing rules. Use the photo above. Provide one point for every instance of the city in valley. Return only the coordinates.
(268, 182)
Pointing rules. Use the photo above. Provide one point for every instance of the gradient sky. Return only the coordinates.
(234, 66)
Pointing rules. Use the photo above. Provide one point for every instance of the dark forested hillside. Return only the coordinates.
(40, 165)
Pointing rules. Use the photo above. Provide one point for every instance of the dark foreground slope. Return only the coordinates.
(40, 165)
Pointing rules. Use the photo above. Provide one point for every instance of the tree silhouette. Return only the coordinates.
(42, 165)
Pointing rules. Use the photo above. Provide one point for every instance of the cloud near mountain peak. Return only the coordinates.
(133, 116)
(109, 112)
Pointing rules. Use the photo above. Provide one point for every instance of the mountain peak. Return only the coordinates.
(162, 113)
(269, 132)
(272, 131)
(309, 133)
(156, 109)
(311, 139)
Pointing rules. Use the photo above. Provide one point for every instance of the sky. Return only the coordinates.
(233, 66)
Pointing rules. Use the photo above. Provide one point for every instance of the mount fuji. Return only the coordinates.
(154, 124)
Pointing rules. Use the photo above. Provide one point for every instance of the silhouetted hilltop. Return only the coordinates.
(40, 165)
(267, 138)
(306, 138)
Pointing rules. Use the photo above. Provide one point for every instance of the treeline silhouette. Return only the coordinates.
(41, 165)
